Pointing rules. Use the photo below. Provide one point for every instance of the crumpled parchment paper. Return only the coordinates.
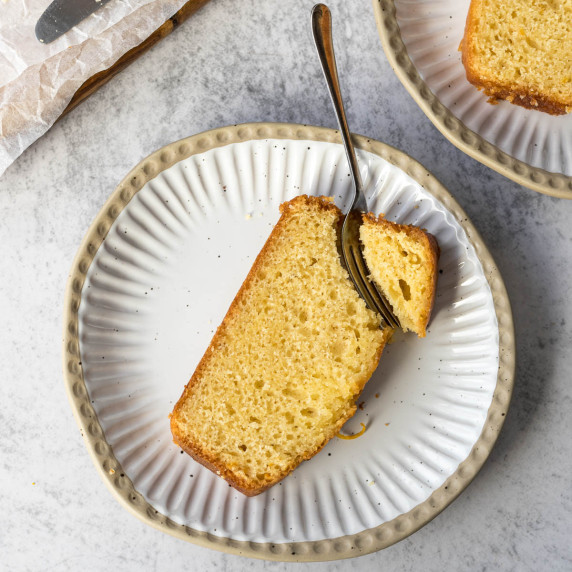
(37, 81)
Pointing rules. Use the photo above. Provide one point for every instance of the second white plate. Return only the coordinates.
(421, 40)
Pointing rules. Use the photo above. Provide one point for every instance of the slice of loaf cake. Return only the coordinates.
(521, 51)
(286, 366)
(402, 260)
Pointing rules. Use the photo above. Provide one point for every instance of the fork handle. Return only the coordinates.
(322, 32)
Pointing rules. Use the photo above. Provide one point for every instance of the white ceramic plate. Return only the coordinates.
(421, 39)
(160, 283)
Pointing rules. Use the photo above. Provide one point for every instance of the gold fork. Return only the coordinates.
(351, 245)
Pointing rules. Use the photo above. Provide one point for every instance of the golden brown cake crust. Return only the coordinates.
(194, 449)
(528, 98)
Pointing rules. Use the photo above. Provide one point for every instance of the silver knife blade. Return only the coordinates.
(62, 15)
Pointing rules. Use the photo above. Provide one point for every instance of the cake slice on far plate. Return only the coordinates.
(521, 51)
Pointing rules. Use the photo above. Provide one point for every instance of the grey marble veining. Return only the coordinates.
(238, 62)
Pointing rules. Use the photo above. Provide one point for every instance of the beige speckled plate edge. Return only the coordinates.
(329, 549)
(546, 182)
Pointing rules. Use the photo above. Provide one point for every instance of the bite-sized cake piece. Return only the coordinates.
(403, 261)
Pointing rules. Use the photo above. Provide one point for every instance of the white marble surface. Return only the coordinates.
(254, 61)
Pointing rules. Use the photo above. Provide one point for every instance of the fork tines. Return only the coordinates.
(358, 271)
